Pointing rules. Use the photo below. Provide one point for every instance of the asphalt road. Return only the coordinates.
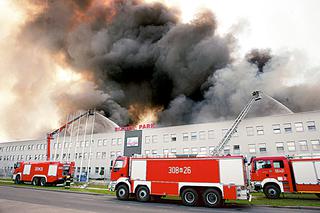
(32, 200)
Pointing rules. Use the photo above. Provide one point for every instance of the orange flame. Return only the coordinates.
(144, 114)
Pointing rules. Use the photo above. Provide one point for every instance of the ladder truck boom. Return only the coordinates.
(53, 133)
(255, 97)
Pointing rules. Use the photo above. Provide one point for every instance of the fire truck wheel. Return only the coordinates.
(122, 192)
(42, 181)
(212, 198)
(271, 191)
(190, 197)
(35, 181)
(17, 180)
(143, 194)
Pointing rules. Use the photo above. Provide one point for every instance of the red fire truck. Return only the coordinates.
(210, 180)
(42, 173)
(275, 175)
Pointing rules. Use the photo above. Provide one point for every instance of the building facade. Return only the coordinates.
(291, 134)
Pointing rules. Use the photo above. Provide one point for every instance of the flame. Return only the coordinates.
(143, 114)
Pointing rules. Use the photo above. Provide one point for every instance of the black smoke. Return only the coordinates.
(141, 54)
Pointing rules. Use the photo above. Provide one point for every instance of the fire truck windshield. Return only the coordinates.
(118, 164)
(16, 165)
(262, 164)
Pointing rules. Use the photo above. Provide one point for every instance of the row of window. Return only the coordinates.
(22, 157)
(23, 147)
(97, 170)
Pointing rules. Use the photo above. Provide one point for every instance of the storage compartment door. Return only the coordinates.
(304, 172)
(231, 171)
(26, 169)
(52, 170)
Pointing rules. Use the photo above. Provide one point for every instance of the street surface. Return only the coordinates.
(32, 200)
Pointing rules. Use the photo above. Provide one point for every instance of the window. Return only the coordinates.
(87, 143)
(203, 150)
(166, 138)
(104, 155)
(311, 126)
(96, 170)
(173, 137)
(154, 139)
(287, 127)
(147, 139)
(194, 150)
(211, 149)
(99, 142)
(235, 133)
(252, 148)
(291, 146)
(185, 136)
(260, 130)
(250, 131)
(298, 126)
(119, 141)
(193, 136)
(224, 132)
(85, 155)
(105, 142)
(112, 155)
(166, 151)
(236, 149)
(226, 150)
(211, 134)
(202, 135)
(276, 128)
(303, 145)
(113, 141)
(262, 147)
(185, 150)
(280, 146)
(262, 164)
(154, 152)
(173, 150)
(278, 164)
(315, 144)
(147, 152)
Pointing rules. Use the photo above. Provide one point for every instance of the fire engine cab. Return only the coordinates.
(42, 173)
(275, 175)
(207, 180)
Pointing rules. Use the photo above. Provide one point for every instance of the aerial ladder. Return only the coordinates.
(50, 136)
(226, 138)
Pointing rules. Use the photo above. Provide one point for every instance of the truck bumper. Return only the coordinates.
(14, 177)
(112, 186)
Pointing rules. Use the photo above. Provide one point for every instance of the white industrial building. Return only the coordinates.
(290, 134)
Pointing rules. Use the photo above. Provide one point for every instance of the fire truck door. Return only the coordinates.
(26, 169)
(52, 170)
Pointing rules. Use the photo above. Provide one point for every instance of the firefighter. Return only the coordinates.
(68, 181)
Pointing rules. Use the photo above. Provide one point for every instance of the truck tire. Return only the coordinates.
(272, 191)
(143, 194)
(189, 197)
(17, 180)
(212, 198)
(42, 181)
(122, 192)
(35, 181)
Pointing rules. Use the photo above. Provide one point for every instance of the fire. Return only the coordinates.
(142, 114)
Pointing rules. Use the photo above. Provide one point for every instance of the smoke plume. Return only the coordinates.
(132, 53)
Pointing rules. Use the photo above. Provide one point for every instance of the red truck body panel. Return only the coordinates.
(292, 175)
(168, 176)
